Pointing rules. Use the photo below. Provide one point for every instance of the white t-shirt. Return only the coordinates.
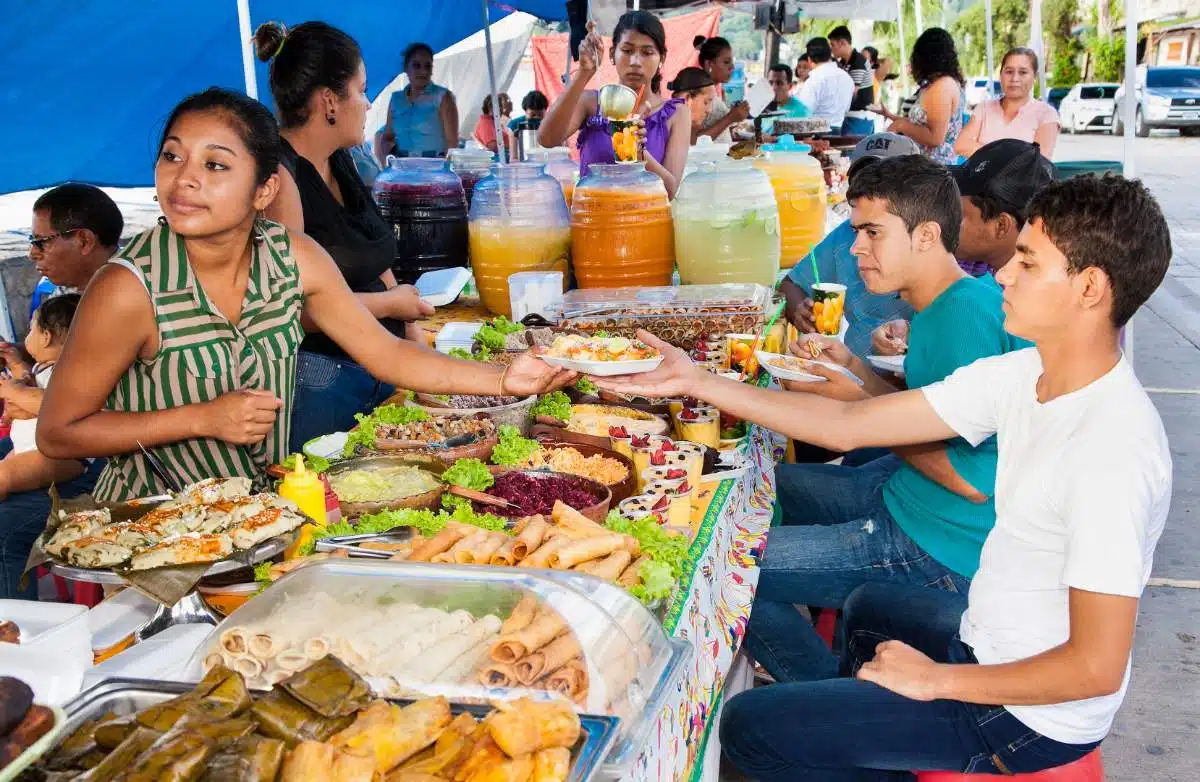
(828, 93)
(24, 432)
(1083, 485)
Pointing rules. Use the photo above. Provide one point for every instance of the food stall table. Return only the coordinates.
(711, 609)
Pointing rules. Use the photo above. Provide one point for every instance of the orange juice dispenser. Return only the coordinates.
(799, 186)
(519, 223)
(621, 232)
(726, 225)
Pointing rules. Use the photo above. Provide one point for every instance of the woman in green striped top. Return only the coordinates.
(186, 342)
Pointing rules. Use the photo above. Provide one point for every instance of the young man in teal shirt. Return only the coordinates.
(920, 514)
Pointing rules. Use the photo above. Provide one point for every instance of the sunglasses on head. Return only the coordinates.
(40, 242)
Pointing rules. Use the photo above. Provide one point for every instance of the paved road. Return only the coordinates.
(1155, 736)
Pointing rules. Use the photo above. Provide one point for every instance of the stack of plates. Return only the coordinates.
(441, 287)
(456, 335)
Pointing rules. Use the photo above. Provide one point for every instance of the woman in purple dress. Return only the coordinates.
(639, 51)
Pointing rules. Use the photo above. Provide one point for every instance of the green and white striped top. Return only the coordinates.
(201, 355)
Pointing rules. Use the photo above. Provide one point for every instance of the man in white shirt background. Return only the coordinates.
(1040, 664)
(829, 90)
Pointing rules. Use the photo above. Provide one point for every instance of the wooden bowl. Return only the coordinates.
(620, 491)
(515, 414)
(430, 500)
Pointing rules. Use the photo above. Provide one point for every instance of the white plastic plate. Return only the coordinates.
(605, 368)
(327, 446)
(893, 364)
(796, 376)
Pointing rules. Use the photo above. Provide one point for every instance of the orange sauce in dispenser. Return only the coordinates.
(621, 229)
(499, 249)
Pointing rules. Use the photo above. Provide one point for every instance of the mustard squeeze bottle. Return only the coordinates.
(306, 490)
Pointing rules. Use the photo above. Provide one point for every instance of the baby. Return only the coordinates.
(25, 468)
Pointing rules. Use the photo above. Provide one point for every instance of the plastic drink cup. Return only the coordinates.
(642, 453)
(829, 302)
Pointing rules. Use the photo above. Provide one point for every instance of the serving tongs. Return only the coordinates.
(352, 544)
(480, 497)
(160, 471)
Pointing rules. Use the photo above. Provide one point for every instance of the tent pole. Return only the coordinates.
(500, 127)
(243, 7)
(1037, 43)
(1128, 166)
(991, 73)
(920, 17)
(903, 58)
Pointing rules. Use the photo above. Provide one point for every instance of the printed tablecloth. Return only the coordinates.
(711, 610)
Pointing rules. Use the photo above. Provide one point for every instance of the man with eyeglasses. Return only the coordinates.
(76, 229)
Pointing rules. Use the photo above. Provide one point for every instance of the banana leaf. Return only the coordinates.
(180, 756)
(122, 757)
(329, 688)
(280, 716)
(250, 759)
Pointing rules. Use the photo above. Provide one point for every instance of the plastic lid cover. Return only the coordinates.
(787, 143)
(705, 149)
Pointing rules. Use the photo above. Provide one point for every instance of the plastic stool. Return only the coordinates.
(1089, 768)
(827, 625)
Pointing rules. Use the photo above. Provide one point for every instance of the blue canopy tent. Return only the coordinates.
(85, 85)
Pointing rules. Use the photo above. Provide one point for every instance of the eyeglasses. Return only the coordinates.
(40, 242)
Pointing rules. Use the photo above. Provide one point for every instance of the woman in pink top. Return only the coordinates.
(1016, 115)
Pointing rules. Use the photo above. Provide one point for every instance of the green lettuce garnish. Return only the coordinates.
(586, 386)
(556, 405)
(470, 474)
(491, 334)
(657, 582)
(665, 552)
(262, 572)
(364, 434)
(513, 448)
(311, 463)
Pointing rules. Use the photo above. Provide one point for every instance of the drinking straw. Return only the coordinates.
(763, 335)
(812, 257)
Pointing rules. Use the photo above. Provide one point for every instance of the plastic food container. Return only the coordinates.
(417, 629)
(471, 165)
(519, 223)
(58, 628)
(799, 185)
(538, 293)
(424, 202)
(621, 228)
(681, 315)
(722, 239)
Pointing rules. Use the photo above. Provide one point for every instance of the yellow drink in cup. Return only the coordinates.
(621, 441)
(665, 476)
(679, 512)
(700, 426)
(643, 446)
(693, 454)
(829, 302)
(644, 505)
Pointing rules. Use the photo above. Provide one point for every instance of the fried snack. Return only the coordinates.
(541, 557)
(499, 675)
(566, 517)
(313, 760)
(483, 755)
(569, 681)
(551, 765)
(461, 551)
(517, 769)
(506, 554)
(524, 726)
(392, 734)
(531, 532)
(522, 614)
(611, 566)
(631, 576)
(584, 549)
(509, 648)
(482, 553)
(551, 657)
(449, 751)
(9, 633)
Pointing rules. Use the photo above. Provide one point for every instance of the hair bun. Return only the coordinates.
(268, 40)
(698, 41)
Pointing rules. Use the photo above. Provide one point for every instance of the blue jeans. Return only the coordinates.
(22, 519)
(856, 126)
(838, 535)
(329, 391)
(847, 730)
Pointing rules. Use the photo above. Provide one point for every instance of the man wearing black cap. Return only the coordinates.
(996, 185)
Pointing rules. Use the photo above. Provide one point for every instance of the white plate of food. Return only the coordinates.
(603, 356)
(795, 369)
(893, 364)
(327, 446)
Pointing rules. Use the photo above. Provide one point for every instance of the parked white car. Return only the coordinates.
(1088, 107)
(977, 91)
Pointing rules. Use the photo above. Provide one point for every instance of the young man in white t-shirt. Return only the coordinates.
(1083, 487)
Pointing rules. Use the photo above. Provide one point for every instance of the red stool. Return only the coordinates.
(1089, 768)
(827, 625)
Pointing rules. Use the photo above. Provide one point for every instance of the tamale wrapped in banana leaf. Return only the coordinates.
(110, 734)
(250, 759)
(222, 733)
(280, 716)
(222, 694)
(121, 758)
(329, 688)
(179, 756)
(79, 745)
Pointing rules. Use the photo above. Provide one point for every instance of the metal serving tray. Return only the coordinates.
(125, 697)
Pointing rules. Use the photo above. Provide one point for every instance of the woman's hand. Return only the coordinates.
(14, 358)
(591, 50)
(528, 375)
(239, 417)
(883, 111)
(740, 111)
(890, 339)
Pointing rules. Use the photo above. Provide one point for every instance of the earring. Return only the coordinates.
(162, 219)
(332, 120)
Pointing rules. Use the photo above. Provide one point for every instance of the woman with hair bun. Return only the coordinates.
(936, 118)
(716, 59)
(639, 51)
(698, 90)
(319, 83)
(422, 118)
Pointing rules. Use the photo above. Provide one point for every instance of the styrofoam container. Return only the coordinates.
(54, 676)
(442, 286)
(161, 656)
(60, 628)
(115, 619)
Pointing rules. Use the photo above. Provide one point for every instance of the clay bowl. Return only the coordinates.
(620, 491)
(597, 512)
(430, 500)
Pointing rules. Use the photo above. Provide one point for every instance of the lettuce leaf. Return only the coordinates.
(364, 434)
(470, 474)
(585, 386)
(657, 582)
(513, 448)
(666, 553)
(311, 463)
(556, 404)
